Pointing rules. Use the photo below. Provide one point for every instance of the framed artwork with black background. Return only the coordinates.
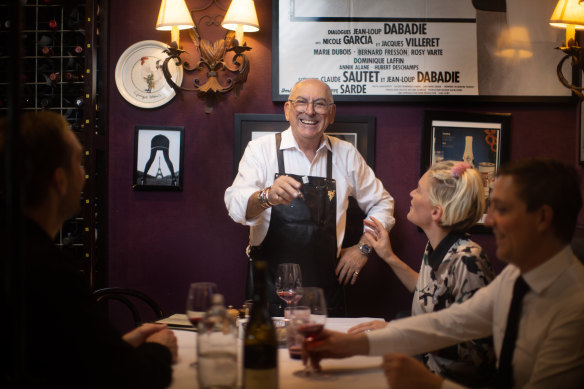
(158, 158)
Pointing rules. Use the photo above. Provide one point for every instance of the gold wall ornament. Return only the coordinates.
(212, 61)
(213, 76)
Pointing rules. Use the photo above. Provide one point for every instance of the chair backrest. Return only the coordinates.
(129, 298)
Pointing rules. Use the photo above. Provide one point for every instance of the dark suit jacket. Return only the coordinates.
(70, 344)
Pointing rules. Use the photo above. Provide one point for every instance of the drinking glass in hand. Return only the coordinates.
(311, 325)
(288, 279)
(199, 300)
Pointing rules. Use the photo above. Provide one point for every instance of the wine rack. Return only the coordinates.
(62, 49)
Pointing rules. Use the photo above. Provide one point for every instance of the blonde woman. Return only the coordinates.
(448, 200)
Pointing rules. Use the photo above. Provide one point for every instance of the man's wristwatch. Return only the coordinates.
(364, 248)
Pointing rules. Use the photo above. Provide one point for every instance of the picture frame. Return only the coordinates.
(359, 130)
(480, 138)
(158, 155)
(398, 51)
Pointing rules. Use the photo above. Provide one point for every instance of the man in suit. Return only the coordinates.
(68, 342)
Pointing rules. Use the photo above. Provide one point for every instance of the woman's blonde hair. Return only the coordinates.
(459, 190)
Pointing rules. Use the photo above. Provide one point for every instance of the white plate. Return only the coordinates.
(139, 76)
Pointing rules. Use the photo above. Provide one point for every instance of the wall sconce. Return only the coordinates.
(174, 16)
(241, 17)
(569, 14)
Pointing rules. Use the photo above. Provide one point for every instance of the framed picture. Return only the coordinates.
(419, 50)
(481, 139)
(158, 158)
(359, 130)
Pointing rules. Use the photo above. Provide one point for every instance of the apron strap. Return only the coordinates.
(282, 168)
(329, 161)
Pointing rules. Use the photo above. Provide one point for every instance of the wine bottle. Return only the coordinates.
(47, 51)
(260, 352)
(468, 155)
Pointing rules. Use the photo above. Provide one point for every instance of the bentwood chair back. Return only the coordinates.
(134, 300)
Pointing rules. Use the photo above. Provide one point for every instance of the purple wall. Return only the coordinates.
(160, 242)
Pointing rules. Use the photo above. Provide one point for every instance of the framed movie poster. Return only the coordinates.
(481, 139)
(158, 158)
(419, 50)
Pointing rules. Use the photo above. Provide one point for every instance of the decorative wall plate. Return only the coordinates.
(139, 76)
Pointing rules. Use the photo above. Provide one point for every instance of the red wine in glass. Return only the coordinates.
(310, 329)
(199, 300)
(288, 279)
(287, 295)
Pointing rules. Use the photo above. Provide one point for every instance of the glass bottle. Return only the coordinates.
(217, 348)
(468, 155)
(260, 352)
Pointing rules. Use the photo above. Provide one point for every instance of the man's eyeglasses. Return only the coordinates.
(320, 106)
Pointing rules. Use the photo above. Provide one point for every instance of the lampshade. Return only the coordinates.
(243, 13)
(568, 12)
(174, 13)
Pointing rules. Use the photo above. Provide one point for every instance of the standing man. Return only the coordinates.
(69, 343)
(293, 190)
(534, 309)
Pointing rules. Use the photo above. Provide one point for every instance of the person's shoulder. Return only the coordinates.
(471, 255)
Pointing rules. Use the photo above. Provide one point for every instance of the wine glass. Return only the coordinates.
(198, 303)
(310, 325)
(199, 300)
(288, 279)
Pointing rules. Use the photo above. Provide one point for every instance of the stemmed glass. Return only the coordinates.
(199, 300)
(310, 325)
(288, 279)
(198, 303)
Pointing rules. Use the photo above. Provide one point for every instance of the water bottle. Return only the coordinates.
(217, 348)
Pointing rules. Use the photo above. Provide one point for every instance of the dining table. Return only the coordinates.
(353, 372)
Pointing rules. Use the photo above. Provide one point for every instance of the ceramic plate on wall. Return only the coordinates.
(139, 76)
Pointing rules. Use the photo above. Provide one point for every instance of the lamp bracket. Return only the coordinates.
(212, 58)
(576, 53)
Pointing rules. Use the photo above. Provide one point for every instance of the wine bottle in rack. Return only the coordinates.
(72, 76)
(73, 19)
(55, 77)
(46, 101)
(73, 43)
(47, 51)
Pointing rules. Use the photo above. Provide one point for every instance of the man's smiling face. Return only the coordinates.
(308, 126)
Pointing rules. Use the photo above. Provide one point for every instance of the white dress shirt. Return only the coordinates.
(353, 177)
(549, 352)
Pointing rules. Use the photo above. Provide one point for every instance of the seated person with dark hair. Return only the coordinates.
(69, 343)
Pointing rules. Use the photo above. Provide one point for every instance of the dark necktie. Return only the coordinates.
(505, 375)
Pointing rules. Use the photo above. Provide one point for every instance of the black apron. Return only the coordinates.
(304, 232)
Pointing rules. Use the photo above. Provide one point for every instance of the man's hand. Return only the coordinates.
(156, 333)
(405, 372)
(284, 190)
(333, 344)
(368, 326)
(351, 262)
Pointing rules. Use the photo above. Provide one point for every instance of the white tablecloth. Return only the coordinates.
(352, 372)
